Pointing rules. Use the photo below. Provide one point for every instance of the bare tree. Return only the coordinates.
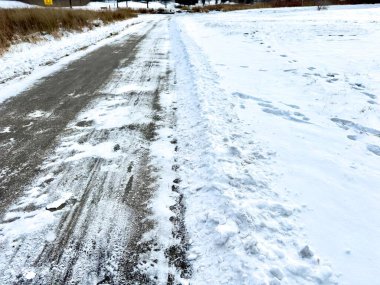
(322, 5)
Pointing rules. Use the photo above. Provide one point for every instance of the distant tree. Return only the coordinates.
(186, 2)
(165, 2)
(321, 5)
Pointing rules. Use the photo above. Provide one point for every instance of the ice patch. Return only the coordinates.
(29, 275)
(132, 88)
(103, 150)
(5, 130)
(59, 204)
(38, 114)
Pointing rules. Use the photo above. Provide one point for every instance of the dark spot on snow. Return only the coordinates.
(352, 137)
(10, 220)
(306, 252)
(150, 131)
(358, 86)
(332, 80)
(106, 280)
(170, 280)
(177, 180)
(130, 167)
(175, 167)
(292, 106)
(372, 102)
(48, 181)
(375, 149)
(284, 114)
(53, 209)
(116, 147)
(175, 188)
(173, 141)
(265, 105)
(246, 96)
(128, 188)
(298, 114)
(346, 124)
(131, 127)
(85, 123)
(83, 139)
(156, 117)
(370, 95)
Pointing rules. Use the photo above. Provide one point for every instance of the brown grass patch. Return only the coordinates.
(16, 24)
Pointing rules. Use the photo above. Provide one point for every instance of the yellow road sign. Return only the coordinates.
(48, 2)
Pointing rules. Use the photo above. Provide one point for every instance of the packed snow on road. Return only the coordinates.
(226, 148)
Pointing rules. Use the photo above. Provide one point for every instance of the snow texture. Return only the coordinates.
(279, 123)
(278, 132)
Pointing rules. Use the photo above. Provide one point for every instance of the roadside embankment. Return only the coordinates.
(30, 24)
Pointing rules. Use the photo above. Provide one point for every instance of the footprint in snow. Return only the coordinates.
(249, 97)
(295, 117)
(352, 137)
(370, 95)
(292, 106)
(357, 86)
(346, 125)
(375, 149)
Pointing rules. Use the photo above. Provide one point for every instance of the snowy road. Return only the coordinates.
(220, 148)
(76, 166)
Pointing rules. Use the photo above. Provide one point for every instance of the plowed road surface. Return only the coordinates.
(76, 168)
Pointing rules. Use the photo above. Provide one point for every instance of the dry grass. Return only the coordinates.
(21, 23)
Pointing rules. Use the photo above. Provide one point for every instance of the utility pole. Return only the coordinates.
(71, 5)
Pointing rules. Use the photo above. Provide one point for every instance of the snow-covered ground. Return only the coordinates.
(281, 140)
(277, 134)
